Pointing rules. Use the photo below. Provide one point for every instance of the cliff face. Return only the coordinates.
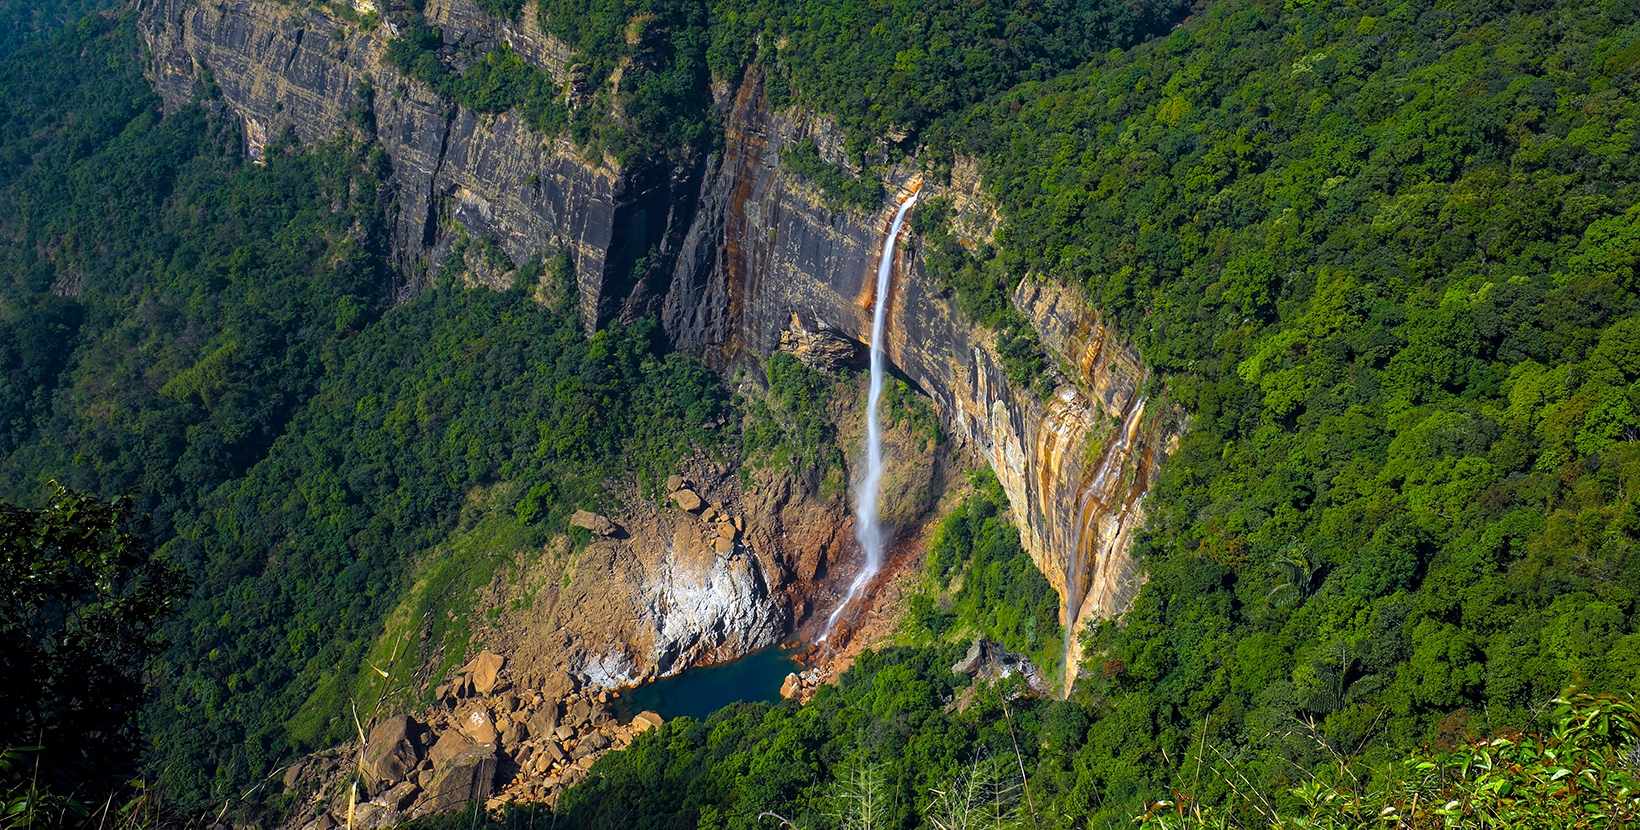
(299, 67)
(748, 252)
(764, 254)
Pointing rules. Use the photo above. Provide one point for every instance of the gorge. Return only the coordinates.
(1249, 408)
(738, 255)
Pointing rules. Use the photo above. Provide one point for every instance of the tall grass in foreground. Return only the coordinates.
(1583, 774)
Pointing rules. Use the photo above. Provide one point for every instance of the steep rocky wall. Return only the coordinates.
(298, 67)
(765, 251)
(746, 250)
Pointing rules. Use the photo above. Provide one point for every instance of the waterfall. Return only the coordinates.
(867, 531)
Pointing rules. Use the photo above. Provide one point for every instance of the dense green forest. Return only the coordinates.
(209, 335)
(1383, 254)
(1385, 257)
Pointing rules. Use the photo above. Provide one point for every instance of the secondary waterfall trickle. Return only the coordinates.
(867, 531)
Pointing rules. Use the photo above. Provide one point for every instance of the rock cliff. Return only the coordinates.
(764, 256)
(744, 256)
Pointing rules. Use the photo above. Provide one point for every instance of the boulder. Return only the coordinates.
(369, 816)
(450, 744)
(565, 732)
(970, 662)
(400, 797)
(646, 721)
(686, 499)
(391, 751)
(674, 483)
(545, 720)
(591, 744)
(293, 773)
(726, 529)
(579, 713)
(512, 736)
(468, 776)
(553, 751)
(483, 670)
(792, 685)
(477, 725)
(600, 525)
(556, 686)
(722, 545)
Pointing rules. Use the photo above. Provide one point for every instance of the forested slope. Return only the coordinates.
(211, 335)
(1385, 255)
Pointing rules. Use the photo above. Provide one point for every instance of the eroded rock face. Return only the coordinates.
(749, 260)
(765, 256)
(278, 68)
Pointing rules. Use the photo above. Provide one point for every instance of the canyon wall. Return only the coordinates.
(747, 253)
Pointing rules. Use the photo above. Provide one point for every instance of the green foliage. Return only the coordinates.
(495, 82)
(791, 427)
(984, 292)
(876, 746)
(84, 599)
(28, 21)
(903, 407)
(840, 189)
(1584, 773)
(1000, 593)
(661, 110)
(210, 333)
(503, 9)
(912, 64)
(170, 301)
(1382, 257)
(456, 390)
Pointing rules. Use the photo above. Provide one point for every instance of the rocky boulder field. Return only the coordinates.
(489, 737)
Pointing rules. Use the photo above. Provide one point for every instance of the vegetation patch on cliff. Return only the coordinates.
(864, 192)
(985, 583)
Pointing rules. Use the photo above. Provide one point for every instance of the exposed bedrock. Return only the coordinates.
(745, 256)
(283, 67)
(764, 256)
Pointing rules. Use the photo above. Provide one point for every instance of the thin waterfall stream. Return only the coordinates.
(868, 530)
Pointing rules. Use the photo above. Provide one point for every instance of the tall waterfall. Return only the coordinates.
(867, 530)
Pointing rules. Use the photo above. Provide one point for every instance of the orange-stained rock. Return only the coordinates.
(483, 671)
(686, 499)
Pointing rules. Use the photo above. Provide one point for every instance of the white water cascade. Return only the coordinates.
(867, 530)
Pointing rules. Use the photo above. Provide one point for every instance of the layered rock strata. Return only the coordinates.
(745, 258)
(302, 68)
(765, 258)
